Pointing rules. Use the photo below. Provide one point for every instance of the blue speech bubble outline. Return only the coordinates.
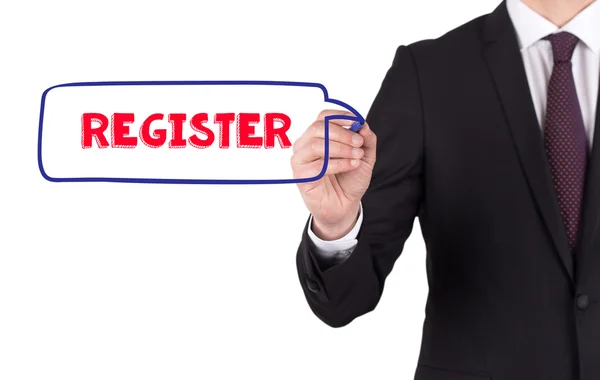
(357, 118)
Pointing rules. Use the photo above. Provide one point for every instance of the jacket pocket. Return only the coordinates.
(425, 372)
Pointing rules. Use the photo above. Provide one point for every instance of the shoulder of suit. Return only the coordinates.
(463, 37)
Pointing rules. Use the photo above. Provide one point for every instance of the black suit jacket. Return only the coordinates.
(460, 147)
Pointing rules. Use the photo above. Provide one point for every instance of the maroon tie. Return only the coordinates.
(564, 135)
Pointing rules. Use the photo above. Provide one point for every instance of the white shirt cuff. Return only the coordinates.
(333, 248)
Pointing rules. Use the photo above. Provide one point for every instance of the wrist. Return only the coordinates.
(334, 231)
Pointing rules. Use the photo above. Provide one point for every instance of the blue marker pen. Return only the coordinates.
(356, 126)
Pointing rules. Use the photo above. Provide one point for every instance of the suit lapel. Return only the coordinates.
(591, 206)
(503, 57)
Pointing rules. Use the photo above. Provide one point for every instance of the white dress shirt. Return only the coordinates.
(530, 28)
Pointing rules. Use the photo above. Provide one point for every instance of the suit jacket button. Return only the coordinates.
(583, 302)
(312, 285)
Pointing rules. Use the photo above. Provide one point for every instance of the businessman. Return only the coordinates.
(485, 134)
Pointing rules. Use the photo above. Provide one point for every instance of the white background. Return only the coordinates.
(124, 281)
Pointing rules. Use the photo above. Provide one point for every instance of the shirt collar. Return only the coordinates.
(531, 26)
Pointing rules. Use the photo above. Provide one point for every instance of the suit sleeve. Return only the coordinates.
(338, 293)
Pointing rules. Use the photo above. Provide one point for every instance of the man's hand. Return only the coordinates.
(334, 200)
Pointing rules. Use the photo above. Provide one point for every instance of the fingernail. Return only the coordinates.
(356, 140)
(354, 162)
(356, 152)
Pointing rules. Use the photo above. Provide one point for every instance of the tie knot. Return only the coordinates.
(563, 45)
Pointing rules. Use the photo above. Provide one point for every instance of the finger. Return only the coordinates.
(333, 116)
(316, 150)
(370, 143)
(337, 132)
(325, 113)
(334, 166)
(341, 165)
